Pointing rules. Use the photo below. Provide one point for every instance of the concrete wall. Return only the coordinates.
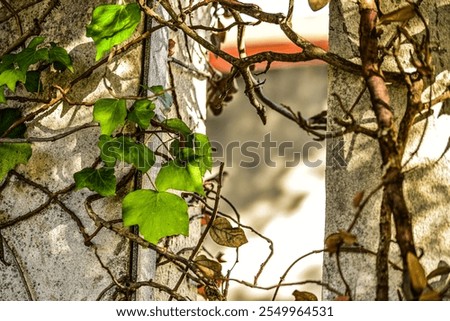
(354, 162)
(42, 217)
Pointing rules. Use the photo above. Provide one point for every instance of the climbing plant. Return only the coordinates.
(162, 211)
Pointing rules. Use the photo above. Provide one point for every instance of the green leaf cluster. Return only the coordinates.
(12, 154)
(15, 67)
(112, 24)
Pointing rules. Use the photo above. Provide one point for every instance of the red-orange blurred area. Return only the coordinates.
(254, 48)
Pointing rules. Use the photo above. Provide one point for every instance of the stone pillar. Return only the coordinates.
(354, 161)
(44, 226)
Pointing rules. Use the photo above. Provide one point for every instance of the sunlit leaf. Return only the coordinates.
(12, 155)
(110, 113)
(112, 24)
(126, 150)
(304, 296)
(182, 177)
(224, 234)
(100, 180)
(177, 125)
(10, 77)
(158, 214)
(165, 98)
(142, 112)
(36, 41)
(416, 273)
(60, 58)
(2, 95)
(210, 268)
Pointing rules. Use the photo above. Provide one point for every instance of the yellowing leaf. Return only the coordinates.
(316, 5)
(430, 295)
(304, 296)
(224, 234)
(416, 273)
(400, 15)
(211, 269)
(358, 198)
(333, 241)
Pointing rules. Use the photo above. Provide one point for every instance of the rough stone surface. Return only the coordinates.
(353, 161)
(45, 253)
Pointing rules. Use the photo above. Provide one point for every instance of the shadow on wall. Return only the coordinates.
(275, 178)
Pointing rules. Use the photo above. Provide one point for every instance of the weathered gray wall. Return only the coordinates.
(45, 252)
(353, 161)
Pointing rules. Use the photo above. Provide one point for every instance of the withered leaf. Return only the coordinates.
(400, 15)
(171, 49)
(430, 295)
(442, 270)
(224, 234)
(316, 5)
(358, 198)
(416, 273)
(210, 268)
(304, 296)
(342, 298)
(333, 241)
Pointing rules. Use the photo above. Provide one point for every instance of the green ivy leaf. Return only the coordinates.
(9, 116)
(100, 180)
(110, 113)
(30, 56)
(12, 155)
(127, 150)
(7, 62)
(36, 41)
(158, 214)
(60, 58)
(33, 82)
(10, 77)
(177, 125)
(165, 98)
(2, 95)
(111, 25)
(142, 112)
(203, 152)
(182, 177)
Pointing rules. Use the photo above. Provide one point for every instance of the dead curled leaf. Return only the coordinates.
(400, 15)
(304, 296)
(358, 198)
(416, 273)
(224, 234)
(335, 240)
(316, 5)
(210, 268)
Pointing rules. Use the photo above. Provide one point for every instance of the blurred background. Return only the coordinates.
(279, 191)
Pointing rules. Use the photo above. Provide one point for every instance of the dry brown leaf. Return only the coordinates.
(333, 241)
(316, 5)
(416, 273)
(358, 198)
(342, 298)
(304, 296)
(224, 234)
(442, 270)
(430, 296)
(211, 269)
(171, 49)
(400, 15)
